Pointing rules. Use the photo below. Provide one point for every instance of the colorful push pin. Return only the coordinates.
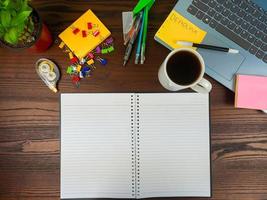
(104, 51)
(96, 33)
(109, 40)
(69, 70)
(84, 33)
(62, 44)
(82, 61)
(102, 61)
(75, 80)
(81, 74)
(71, 55)
(90, 62)
(98, 49)
(90, 55)
(76, 31)
(89, 25)
(78, 68)
(110, 49)
(85, 71)
(74, 60)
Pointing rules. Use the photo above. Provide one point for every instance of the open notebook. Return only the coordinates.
(129, 145)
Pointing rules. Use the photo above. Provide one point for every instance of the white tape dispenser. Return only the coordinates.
(48, 72)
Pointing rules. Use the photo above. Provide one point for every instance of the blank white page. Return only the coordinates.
(96, 146)
(174, 145)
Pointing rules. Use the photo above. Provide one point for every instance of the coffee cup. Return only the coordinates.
(184, 68)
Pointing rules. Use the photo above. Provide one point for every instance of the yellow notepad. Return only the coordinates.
(79, 45)
(175, 28)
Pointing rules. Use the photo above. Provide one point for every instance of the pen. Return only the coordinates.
(131, 42)
(205, 46)
(144, 35)
(139, 41)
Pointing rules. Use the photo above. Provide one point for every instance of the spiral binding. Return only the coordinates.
(137, 148)
(133, 149)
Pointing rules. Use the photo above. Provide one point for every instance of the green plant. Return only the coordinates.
(16, 25)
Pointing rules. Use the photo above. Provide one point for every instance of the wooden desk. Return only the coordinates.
(29, 111)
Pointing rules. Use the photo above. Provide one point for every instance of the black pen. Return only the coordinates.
(205, 46)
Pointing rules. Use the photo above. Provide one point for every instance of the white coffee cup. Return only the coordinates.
(198, 83)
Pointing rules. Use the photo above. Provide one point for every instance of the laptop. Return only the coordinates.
(237, 24)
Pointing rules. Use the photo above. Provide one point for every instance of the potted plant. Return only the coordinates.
(21, 27)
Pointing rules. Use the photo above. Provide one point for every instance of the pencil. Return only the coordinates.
(144, 35)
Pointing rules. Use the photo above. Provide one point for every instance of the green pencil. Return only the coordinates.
(143, 48)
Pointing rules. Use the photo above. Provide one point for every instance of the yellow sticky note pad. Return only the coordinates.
(176, 27)
(76, 42)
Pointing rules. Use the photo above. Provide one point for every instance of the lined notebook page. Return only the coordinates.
(174, 145)
(96, 146)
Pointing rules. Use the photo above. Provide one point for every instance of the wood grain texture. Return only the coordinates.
(29, 112)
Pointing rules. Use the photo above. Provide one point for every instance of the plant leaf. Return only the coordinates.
(5, 18)
(11, 36)
(20, 18)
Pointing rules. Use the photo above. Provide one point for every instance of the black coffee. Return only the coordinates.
(183, 68)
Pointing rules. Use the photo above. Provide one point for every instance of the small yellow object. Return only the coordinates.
(177, 28)
(79, 67)
(70, 55)
(90, 62)
(62, 44)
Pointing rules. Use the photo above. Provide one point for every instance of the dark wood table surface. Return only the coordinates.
(29, 111)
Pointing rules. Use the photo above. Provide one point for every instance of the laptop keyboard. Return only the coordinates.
(241, 21)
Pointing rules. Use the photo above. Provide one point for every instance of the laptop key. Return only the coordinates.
(218, 16)
(253, 21)
(251, 38)
(237, 29)
(245, 25)
(225, 21)
(233, 36)
(253, 50)
(241, 13)
(219, 8)
(211, 12)
(205, 1)
(252, 29)
(200, 5)
(265, 58)
(238, 21)
(200, 15)
(264, 47)
(213, 23)
(244, 34)
(264, 38)
(212, 3)
(192, 9)
(225, 12)
(258, 43)
(258, 34)
(232, 16)
(231, 25)
(260, 54)
(234, 9)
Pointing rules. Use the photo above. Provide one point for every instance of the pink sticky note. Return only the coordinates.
(251, 92)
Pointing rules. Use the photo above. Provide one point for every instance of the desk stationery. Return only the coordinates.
(30, 112)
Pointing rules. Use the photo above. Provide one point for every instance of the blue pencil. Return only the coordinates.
(138, 50)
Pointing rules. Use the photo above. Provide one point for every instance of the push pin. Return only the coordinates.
(102, 60)
(96, 33)
(84, 33)
(76, 80)
(89, 25)
(76, 31)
